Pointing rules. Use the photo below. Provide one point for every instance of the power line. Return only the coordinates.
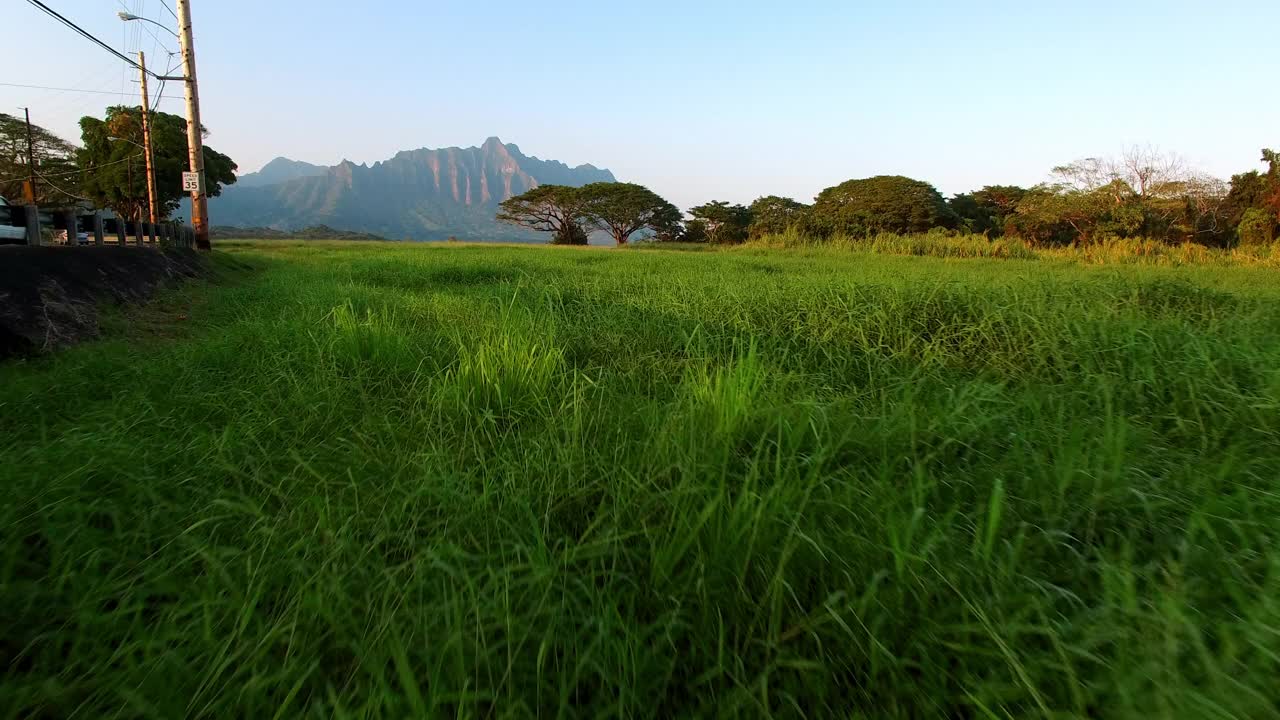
(60, 89)
(77, 171)
(89, 36)
(150, 32)
(74, 103)
(124, 69)
(64, 192)
(82, 91)
(98, 166)
(160, 89)
(165, 5)
(160, 93)
(155, 38)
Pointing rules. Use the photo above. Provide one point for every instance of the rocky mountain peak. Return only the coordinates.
(422, 194)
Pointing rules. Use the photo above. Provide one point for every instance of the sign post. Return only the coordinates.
(191, 182)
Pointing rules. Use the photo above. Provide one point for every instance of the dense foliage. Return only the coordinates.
(886, 203)
(986, 210)
(114, 168)
(1142, 195)
(773, 214)
(57, 176)
(721, 222)
(1257, 227)
(619, 209)
(624, 209)
(557, 209)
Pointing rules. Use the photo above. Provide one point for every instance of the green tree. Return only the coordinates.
(672, 230)
(1271, 186)
(722, 222)
(115, 169)
(555, 209)
(1059, 215)
(57, 178)
(695, 231)
(972, 216)
(772, 214)
(986, 210)
(1153, 194)
(623, 209)
(1272, 159)
(1257, 228)
(886, 203)
(1255, 190)
(1001, 199)
(1248, 190)
(1202, 214)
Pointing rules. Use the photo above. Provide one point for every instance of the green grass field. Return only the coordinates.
(379, 480)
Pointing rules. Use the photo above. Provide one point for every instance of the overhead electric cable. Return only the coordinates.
(89, 36)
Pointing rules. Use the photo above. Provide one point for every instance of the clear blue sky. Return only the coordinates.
(698, 99)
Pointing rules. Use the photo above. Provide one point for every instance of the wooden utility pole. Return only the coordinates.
(30, 189)
(146, 139)
(195, 147)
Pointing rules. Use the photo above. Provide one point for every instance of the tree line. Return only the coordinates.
(108, 169)
(1144, 193)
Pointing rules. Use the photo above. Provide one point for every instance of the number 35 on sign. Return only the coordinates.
(191, 182)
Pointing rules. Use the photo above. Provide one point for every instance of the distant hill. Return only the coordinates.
(280, 170)
(319, 232)
(418, 194)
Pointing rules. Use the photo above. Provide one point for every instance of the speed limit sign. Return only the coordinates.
(191, 182)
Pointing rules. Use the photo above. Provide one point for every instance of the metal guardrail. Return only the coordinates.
(81, 226)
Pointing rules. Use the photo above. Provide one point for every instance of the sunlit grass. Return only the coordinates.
(1105, 251)
(389, 480)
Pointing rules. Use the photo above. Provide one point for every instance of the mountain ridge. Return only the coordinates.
(420, 194)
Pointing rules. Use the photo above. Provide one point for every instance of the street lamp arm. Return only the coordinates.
(125, 139)
(130, 16)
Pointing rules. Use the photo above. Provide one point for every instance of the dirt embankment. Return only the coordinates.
(49, 296)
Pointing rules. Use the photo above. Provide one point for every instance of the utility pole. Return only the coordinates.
(195, 147)
(146, 139)
(30, 190)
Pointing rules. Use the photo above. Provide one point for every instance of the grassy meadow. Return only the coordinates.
(386, 480)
